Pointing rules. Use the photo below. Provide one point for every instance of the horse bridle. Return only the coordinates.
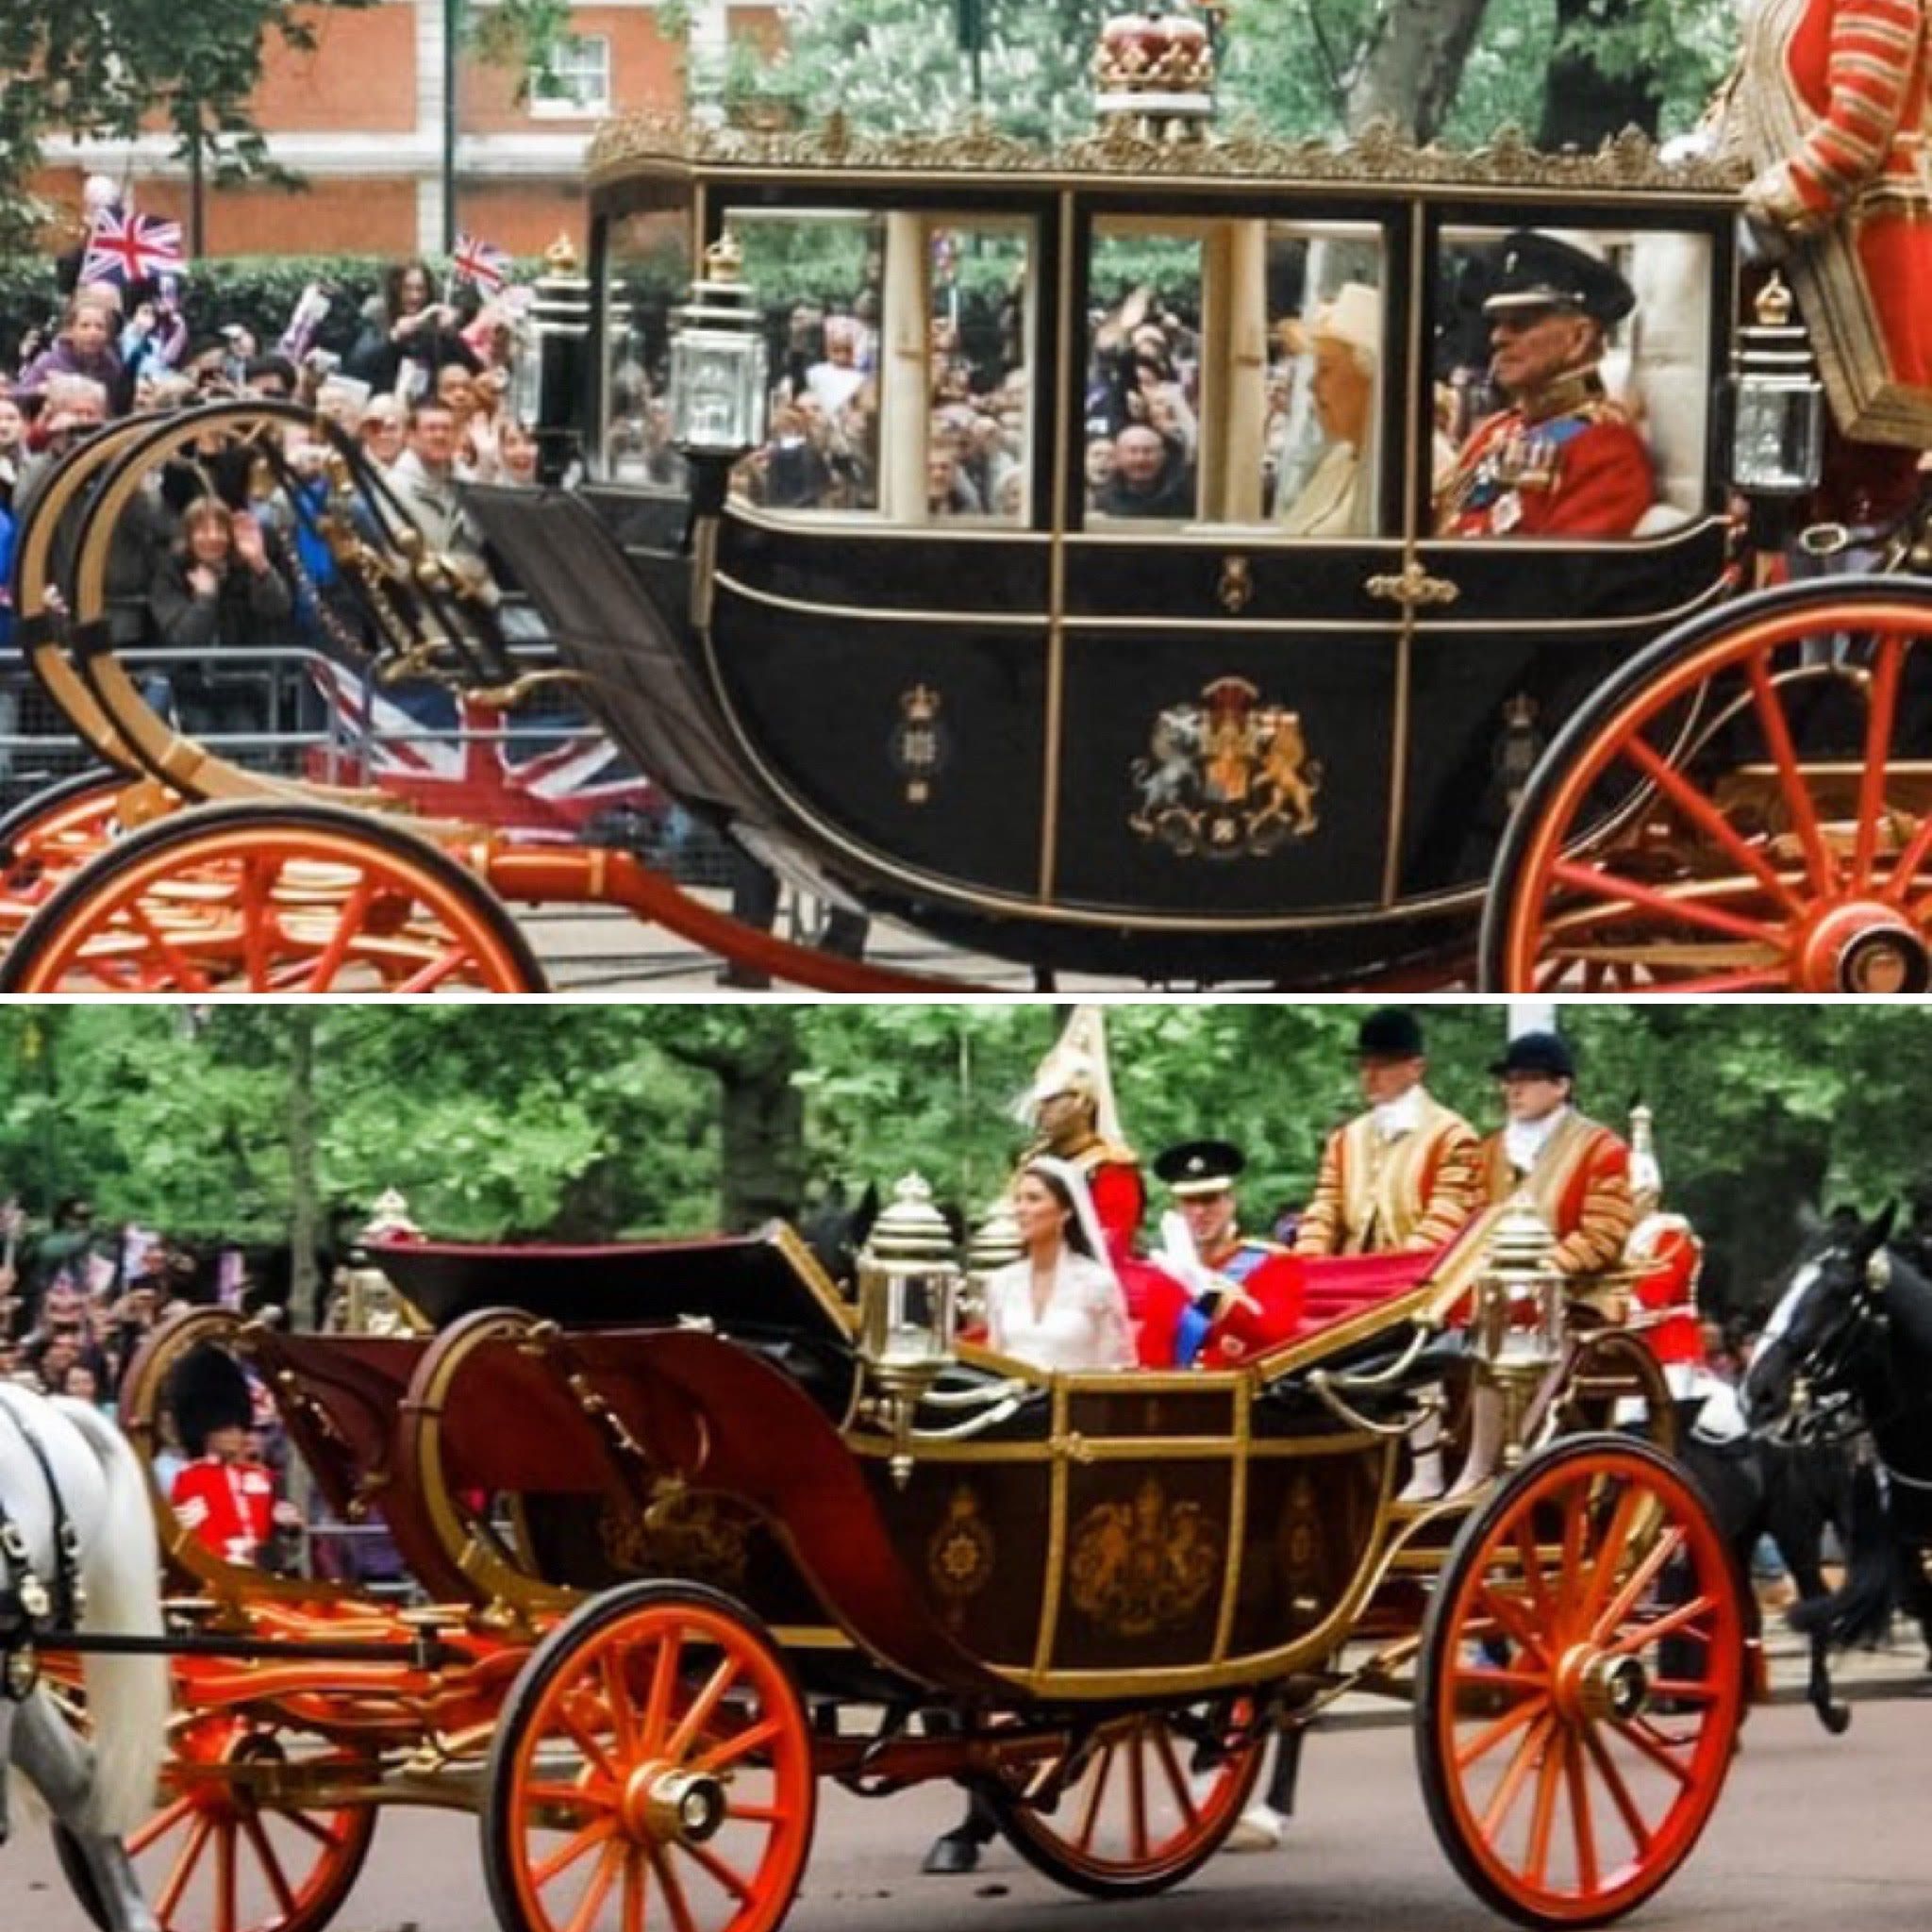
(28, 1609)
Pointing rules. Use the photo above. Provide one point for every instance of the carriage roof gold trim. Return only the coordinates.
(1628, 164)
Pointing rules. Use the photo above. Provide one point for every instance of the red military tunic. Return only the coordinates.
(1566, 463)
(1173, 1333)
(1828, 107)
(1580, 1185)
(1667, 1247)
(229, 1507)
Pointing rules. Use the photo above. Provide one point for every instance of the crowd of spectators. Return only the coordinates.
(213, 557)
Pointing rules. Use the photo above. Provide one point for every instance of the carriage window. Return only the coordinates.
(977, 315)
(1581, 417)
(1321, 292)
(1143, 368)
(647, 261)
(819, 278)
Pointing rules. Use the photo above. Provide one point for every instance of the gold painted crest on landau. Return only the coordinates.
(693, 1533)
(1227, 775)
(959, 1553)
(1143, 1566)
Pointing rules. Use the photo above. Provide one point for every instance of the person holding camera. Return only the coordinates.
(410, 337)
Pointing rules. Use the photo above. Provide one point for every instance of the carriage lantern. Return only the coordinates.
(551, 375)
(909, 1295)
(1776, 402)
(1519, 1325)
(718, 361)
(995, 1244)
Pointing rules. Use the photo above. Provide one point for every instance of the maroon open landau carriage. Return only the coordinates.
(697, 1531)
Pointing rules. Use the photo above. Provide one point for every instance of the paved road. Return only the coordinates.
(1812, 1834)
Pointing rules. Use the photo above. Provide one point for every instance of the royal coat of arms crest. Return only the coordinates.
(1226, 776)
(1143, 1566)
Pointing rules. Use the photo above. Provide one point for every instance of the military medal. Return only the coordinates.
(1508, 513)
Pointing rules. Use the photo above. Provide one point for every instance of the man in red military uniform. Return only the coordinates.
(224, 1498)
(1828, 108)
(1401, 1175)
(1562, 459)
(1239, 1296)
(1070, 1106)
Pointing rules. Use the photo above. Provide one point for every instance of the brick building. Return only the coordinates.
(362, 118)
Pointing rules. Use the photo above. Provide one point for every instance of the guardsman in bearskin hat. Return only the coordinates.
(1401, 1175)
(1562, 459)
(1576, 1172)
(1242, 1295)
(1070, 1106)
(225, 1498)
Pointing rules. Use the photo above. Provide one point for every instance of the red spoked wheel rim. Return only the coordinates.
(227, 1853)
(652, 1769)
(49, 838)
(1145, 1801)
(272, 898)
(1787, 849)
(1581, 1686)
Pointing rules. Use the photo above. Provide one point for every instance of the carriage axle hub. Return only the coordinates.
(1864, 946)
(1600, 1688)
(663, 1806)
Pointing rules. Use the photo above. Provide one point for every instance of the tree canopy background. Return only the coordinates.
(587, 1122)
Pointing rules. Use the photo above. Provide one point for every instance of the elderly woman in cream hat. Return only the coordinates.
(1346, 337)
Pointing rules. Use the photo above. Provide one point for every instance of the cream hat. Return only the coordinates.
(1353, 315)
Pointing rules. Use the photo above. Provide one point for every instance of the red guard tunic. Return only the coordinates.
(1828, 107)
(226, 1506)
(1567, 463)
(1580, 1185)
(1666, 1313)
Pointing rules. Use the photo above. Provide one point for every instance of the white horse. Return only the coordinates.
(100, 1793)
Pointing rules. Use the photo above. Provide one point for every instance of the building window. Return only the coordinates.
(575, 80)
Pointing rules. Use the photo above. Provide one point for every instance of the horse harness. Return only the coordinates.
(28, 1609)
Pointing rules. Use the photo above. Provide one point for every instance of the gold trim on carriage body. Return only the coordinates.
(1627, 164)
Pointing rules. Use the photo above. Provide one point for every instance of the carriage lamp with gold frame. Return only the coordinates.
(1519, 1315)
(995, 1244)
(718, 361)
(1776, 402)
(909, 1300)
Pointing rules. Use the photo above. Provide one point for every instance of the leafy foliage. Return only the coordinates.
(581, 1123)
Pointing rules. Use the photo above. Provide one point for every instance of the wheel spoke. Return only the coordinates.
(1653, 1748)
(634, 1888)
(1137, 1794)
(1705, 813)
(314, 1828)
(1509, 1788)
(741, 1745)
(594, 1754)
(574, 1797)
(159, 1826)
(1609, 1555)
(1642, 1578)
(271, 1865)
(322, 975)
(1090, 1812)
(733, 1881)
(708, 1699)
(1177, 1781)
(1549, 1775)
(597, 1891)
(1504, 1728)
(1513, 1614)
(1582, 1824)
(224, 1878)
(432, 976)
(1620, 1791)
(185, 1863)
(1880, 717)
(623, 1740)
(1818, 863)
(674, 1891)
(568, 1854)
(1666, 1626)
(1618, 892)
(663, 1681)
(186, 977)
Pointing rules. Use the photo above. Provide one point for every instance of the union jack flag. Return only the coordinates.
(128, 248)
(453, 759)
(475, 260)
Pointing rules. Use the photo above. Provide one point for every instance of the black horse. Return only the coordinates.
(1849, 1351)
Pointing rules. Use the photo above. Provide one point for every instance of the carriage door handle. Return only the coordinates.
(1413, 588)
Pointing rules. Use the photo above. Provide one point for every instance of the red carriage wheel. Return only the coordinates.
(1581, 1684)
(272, 896)
(1149, 1800)
(652, 1766)
(47, 839)
(1745, 807)
(246, 1839)
(1610, 1380)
